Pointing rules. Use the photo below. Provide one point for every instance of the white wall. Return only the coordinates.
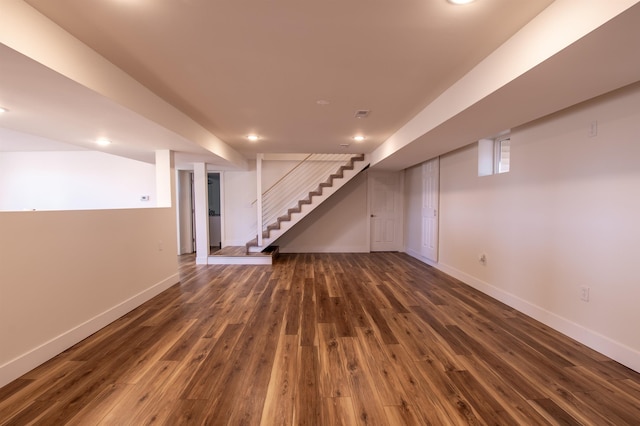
(185, 212)
(66, 274)
(565, 216)
(340, 224)
(413, 210)
(73, 180)
(239, 209)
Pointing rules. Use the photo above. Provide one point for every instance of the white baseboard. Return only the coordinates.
(316, 249)
(615, 350)
(30, 360)
(240, 260)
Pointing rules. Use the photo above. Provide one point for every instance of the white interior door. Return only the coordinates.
(430, 198)
(385, 195)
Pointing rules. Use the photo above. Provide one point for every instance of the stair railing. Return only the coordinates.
(305, 177)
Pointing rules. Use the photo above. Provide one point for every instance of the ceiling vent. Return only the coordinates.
(362, 113)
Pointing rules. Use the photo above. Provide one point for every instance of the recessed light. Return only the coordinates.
(103, 142)
(460, 1)
(344, 145)
(358, 138)
(322, 102)
(253, 137)
(3, 110)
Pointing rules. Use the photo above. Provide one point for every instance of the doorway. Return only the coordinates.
(385, 206)
(186, 211)
(213, 195)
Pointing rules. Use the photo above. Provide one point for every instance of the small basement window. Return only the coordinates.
(502, 149)
(494, 155)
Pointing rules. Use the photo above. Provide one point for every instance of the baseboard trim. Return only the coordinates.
(615, 350)
(240, 260)
(30, 360)
(314, 249)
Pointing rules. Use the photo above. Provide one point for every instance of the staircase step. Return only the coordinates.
(285, 222)
(285, 218)
(239, 256)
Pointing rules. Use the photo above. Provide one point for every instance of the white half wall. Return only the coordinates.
(74, 180)
(564, 217)
(66, 274)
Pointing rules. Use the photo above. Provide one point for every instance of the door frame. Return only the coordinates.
(399, 225)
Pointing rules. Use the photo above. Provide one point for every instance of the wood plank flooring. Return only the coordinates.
(324, 339)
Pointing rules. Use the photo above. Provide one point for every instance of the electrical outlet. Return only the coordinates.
(593, 129)
(584, 294)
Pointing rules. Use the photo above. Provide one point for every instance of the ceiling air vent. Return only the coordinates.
(362, 113)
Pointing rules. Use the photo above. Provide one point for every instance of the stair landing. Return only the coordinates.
(237, 255)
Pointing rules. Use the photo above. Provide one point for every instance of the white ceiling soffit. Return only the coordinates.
(573, 64)
(50, 112)
(241, 67)
(92, 90)
(215, 71)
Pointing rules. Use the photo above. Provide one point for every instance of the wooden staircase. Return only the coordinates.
(306, 205)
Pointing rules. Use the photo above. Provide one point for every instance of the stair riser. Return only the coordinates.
(317, 197)
(305, 209)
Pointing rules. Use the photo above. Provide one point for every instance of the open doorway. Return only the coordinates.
(213, 189)
(186, 211)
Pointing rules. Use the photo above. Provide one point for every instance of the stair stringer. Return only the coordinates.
(315, 200)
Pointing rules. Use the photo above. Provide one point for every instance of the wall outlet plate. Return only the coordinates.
(584, 293)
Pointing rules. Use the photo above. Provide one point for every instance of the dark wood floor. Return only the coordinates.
(324, 339)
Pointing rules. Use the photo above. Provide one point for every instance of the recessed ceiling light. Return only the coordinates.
(358, 138)
(322, 102)
(103, 142)
(3, 110)
(253, 137)
(460, 1)
(344, 145)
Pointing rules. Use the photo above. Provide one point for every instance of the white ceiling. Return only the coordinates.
(239, 67)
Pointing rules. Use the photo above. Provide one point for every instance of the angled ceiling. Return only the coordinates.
(234, 68)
